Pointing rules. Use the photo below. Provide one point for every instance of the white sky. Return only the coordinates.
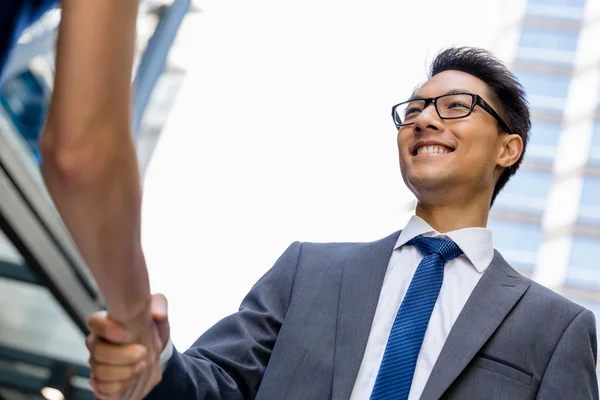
(281, 132)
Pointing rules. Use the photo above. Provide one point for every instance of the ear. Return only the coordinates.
(510, 150)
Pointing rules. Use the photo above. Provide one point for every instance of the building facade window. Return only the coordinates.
(549, 39)
(559, 12)
(545, 90)
(565, 10)
(543, 140)
(526, 191)
(589, 210)
(594, 157)
(567, 3)
(584, 265)
(556, 46)
(517, 241)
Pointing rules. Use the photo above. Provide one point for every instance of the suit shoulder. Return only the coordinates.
(553, 296)
(553, 303)
(344, 248)
(541, 298)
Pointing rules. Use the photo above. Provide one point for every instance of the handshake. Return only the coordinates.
(123, 369)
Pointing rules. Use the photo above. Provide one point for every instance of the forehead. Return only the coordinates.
(447, 81)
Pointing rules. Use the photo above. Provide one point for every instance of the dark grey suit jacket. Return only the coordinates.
(302, 330)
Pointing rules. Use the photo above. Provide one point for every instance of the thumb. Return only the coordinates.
(105, 328)
(159, 309)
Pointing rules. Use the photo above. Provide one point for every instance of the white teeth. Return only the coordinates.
(432, 149)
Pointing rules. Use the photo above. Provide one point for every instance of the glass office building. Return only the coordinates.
(547, 220)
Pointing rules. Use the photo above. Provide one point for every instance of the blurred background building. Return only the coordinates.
(547, 220)
(258, 100)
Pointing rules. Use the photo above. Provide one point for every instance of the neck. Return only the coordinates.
(450, 217)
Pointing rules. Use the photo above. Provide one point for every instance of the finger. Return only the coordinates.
(112, 373)
(103, 396)
(101, 325)
(107, 396)
(100, 394)
(107, 353)
(90, 341)
(111, 390)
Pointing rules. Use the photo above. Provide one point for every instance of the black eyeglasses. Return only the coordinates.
(448, 106)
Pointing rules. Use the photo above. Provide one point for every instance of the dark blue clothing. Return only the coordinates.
(15, 17)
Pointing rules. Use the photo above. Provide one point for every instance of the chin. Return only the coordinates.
(428, 178)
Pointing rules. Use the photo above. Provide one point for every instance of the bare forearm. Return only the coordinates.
(89, 161)
(93, 69)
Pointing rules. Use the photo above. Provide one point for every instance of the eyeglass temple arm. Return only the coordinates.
(492, 112)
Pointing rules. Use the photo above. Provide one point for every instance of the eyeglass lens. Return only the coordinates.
(448, 106)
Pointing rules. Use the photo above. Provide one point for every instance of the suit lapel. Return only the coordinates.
(495, 295)
(361, 282)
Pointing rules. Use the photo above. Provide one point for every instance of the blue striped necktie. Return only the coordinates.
(404, 343)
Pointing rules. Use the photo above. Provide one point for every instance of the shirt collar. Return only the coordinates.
(476, 243)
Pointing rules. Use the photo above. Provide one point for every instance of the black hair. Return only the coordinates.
(504, 87)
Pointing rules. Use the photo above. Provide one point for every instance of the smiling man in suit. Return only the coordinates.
(430, 312)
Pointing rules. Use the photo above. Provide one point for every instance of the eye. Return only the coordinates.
(458, 104)
(412, 110)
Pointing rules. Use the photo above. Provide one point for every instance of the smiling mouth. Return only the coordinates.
(432, 150)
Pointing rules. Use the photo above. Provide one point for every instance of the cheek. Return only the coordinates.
(402, 139)
(480, 155)
(401, 143)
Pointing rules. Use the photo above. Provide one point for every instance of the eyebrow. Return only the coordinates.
(452, 91)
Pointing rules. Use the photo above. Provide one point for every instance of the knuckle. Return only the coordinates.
(108, 354)
(89, 342)
(119, 355)
(100, 353)
(103, 373)
(96, 321)
(112, 373)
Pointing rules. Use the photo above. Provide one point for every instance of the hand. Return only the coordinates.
(122, 366)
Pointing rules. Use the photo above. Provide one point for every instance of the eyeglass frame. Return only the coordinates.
(477, 100)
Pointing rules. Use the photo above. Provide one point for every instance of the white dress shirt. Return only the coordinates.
(460, 277)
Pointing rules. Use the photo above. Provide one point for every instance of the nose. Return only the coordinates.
(427, 119)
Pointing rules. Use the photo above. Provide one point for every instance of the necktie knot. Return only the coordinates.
(447, 249)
